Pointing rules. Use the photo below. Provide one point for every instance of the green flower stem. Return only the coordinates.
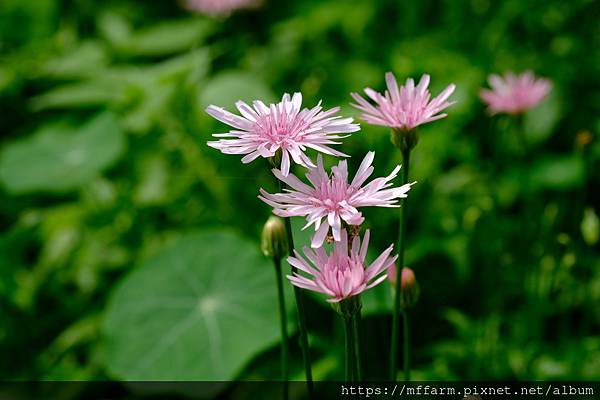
(399, 266)
(350, 346)
(406, 344)
(300, 306)
(358, 363)
(283, 326)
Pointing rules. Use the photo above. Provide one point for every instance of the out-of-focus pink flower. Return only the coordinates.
(340, 274)
(218, 8)
(332, 199)
(404, 107)
(263, 130)
(514, 94)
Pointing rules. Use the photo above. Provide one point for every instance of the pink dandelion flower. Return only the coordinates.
(340, 275)
(404, 107)
(218, 8)
(514, 94)
(261, 131)
(331, 200)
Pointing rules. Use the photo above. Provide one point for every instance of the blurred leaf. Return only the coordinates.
(590, 227)
(159, 40)
(114, 28)
(60, 158)
(87, 94)
(559, 172)
(540, 121)
(84, 61)
(152, 187)
(225, 89)
(191, 312)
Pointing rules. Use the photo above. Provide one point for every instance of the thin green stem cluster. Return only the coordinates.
(300, 307)
(399, 265)
(283, 328)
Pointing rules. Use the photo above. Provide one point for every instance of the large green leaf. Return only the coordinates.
(60, 157)
(198, 310)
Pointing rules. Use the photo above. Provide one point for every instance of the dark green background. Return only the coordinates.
(104, 161)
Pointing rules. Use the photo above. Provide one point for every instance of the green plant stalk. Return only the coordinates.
(358, 362)
(283, 327)
(406, 345)
(350, 346)
(399, 266)
(300, 307)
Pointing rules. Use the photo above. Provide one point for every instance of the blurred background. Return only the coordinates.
(129, 249)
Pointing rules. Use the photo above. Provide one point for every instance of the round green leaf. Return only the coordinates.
(59, 158)
(198, 310)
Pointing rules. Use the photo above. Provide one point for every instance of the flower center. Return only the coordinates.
(332, 192)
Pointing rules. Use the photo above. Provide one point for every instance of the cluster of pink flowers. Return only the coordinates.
(329, 201)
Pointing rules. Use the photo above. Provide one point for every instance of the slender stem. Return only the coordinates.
(283, 327)
(406, 344)
(300, 306)
(399, 266)
(358, 363)
(350, 346)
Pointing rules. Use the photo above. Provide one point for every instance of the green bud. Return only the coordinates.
(274, 242)
(409, 287)
(405, 140)
(348, 307)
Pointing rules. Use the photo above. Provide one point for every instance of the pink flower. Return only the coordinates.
(220, 7)
(331, 199)
(339, 274)
(514, 94)
(262, 131)
(403, 108)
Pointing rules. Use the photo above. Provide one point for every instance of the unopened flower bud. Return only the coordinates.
(405, 140)
(274, 242)
(409, 287)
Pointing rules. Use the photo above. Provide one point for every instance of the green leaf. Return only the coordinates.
(86, 94)
(540, 121)
(559, 173)
(228, 87)
(86, 60)
(161, 39)
(59, 158)
(198, 310)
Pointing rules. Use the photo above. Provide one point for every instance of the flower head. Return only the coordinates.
(263, 130)
(332, 199)
(220, 7)
(340, 274)
(514, 94)
(404, 107)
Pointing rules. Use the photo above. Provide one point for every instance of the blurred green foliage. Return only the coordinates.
(103, 162)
